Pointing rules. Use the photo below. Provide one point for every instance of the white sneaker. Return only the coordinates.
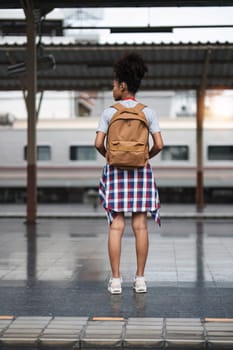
(140, 285)
(114, 285)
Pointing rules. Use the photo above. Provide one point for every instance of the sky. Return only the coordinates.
(156, 16)
(169, 17)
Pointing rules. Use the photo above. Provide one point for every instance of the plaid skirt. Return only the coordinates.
(129, 191)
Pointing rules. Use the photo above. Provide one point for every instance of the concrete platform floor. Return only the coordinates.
(59, 268)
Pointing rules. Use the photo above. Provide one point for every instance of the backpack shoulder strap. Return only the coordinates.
(139, 107)
(119, 107)
(119, 115)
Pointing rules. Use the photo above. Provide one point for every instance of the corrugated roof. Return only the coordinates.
(89, 66)
(115, 3)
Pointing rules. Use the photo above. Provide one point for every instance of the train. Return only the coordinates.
(69, 167)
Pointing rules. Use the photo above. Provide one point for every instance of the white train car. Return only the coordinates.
(69, 165)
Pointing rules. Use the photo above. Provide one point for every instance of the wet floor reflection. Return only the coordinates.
(177, 254)
(46, 270)
(199, 253)
(116, 304)
(31, 234)
(138, 303)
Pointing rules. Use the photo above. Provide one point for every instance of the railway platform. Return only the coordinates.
(63, 211)
(53, 283)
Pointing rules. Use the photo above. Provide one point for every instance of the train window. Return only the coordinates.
(85, 153)
(222, 152)
(43, 153)
(180, 152)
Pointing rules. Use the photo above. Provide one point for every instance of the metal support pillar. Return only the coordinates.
(200, 97)
(31, 84)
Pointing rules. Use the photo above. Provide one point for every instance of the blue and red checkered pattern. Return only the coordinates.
(129, 191)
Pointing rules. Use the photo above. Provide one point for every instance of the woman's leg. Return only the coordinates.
(116, 231)
(139, 226)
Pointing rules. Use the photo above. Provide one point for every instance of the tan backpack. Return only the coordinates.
(128, 138)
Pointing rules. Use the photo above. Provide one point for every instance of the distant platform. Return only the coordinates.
(167, 211)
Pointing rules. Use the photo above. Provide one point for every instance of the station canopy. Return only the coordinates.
(115, 3)
(86, 66)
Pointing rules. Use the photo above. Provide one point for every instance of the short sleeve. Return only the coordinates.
(152, 120)
(105, 119)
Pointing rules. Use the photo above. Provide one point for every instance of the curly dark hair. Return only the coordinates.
(130, 69)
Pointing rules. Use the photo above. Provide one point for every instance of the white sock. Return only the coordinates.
(139, 277)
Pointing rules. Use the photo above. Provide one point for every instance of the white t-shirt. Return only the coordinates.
(109, 112)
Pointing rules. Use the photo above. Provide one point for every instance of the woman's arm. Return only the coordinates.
(157, 144)
(99, 143)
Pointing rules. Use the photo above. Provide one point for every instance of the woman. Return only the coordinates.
(129, 71)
